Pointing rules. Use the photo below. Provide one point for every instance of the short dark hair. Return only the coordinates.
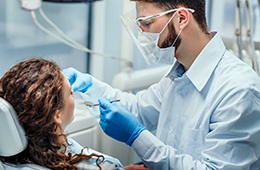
(198, 5)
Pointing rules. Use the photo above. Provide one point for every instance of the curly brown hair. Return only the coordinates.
(34, 88)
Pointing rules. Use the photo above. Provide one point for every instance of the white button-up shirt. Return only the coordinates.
(205, 118)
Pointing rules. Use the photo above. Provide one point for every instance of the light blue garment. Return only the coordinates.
(75, 148)
(8, 166)
(205, 118)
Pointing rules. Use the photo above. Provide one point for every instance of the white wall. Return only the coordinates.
(20, 38)
(107, 38)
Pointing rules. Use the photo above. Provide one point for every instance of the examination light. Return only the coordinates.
(30, 4)
(71, 1)
(35, 4)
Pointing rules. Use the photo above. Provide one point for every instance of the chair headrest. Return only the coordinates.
(12, 135)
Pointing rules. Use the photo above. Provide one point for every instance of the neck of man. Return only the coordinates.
(192, 43)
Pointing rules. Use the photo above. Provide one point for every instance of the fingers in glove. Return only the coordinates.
(70, 74)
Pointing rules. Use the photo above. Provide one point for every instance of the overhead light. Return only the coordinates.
(30, 4)
(70, 1)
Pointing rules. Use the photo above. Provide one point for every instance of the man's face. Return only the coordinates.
(156, 24)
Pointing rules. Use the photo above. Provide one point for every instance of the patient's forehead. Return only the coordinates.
(66, 84)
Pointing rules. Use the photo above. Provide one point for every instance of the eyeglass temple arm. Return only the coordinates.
(163, 13)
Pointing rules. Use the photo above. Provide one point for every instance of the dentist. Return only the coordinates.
(205, 114)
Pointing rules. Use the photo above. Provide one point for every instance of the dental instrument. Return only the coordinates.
(90, 104)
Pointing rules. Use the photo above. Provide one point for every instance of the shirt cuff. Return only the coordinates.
(145, 143)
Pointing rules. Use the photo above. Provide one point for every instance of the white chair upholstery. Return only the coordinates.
(12, 137)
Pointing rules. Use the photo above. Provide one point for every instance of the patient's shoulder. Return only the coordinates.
(8, 166)
(73, 146)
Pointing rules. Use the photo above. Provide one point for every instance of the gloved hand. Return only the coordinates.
(118, 122)
(80, 82)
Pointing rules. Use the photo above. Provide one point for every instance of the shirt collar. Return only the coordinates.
(204, 65)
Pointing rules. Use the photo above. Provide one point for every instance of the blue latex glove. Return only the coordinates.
(118, 122)
(80, 82)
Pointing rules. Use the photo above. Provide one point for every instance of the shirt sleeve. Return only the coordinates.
(231, 143)
(145, 105)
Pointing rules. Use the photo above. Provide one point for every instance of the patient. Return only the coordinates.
(43, 100)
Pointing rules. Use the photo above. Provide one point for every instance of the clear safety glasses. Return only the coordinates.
(133, 24)
(143, 22)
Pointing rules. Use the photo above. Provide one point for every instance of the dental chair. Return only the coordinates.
(12, 140)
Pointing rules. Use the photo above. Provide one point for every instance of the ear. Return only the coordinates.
(184, 17)
(57, 118)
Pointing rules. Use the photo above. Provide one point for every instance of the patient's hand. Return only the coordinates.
(136, 167)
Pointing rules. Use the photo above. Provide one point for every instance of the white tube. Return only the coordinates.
(140, 79)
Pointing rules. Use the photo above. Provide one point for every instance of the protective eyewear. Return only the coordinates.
(132, 24)
(144, 21)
